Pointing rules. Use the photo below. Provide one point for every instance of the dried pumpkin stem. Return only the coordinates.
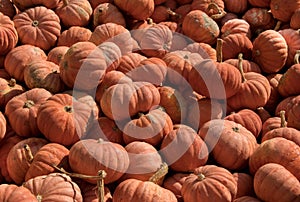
(28, 153)
(296, 57)
(100, 184)
(220, 12)
(172, 13)
(160, 174)
(12, 82)
(28, 104)
(219, 50)
(277, 26)
(240, 65)
(282, 118)
(149, 21)
(201, 177)
(68, 109)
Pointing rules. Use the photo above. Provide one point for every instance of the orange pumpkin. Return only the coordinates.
(11, 192)
(8, 34)
(56, 54)
(138, 9)
(292, 38)
(295, 19)
(25, 4)
(244, 184)
(8, 90)
(236, 26)
(213, 8)
(259, 3)
(108, 12)
(73, 35)
(236, 6)
(283, 10)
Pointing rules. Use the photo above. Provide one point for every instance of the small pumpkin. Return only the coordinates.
(259, 3)
(108, 12)
(174, 184)
(11, 192)
(56, 54)
(73, 35)
(294, 23)
(283, 11)
(236, 6)
(9, 89)
(129, 61)
(8, 34)
(205, 50)
(213, 8)
(244, 184)
(247, 199)
(235, 26)
(293, 114)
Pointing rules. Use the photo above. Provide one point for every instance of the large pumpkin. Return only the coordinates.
(38, 26)
(11, 193)
(8, 34)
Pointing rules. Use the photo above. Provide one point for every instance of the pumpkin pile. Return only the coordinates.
(150, 100)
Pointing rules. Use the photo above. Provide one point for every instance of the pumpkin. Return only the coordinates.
(72, 122)
(286, 104)
(272, 123)
(283, 11)
(43, 74)
(218, 133)
(138, 28)
(162, 13)
(56, 54)
(9, 89)
(293, 114)
(236, 6)
(138, 9)
(2, 126)
(74, 12)
(294, 23)
(22, 110)
(47, 156)
(248, 65)
(144, 161)
(209, 183)
(235, 26)
(193, 23)
(174, 184)
(156, 41)
(150, 128)
(244, 184)
(18, 58)
(90, 192)
(259, 3)
(285, 186)
(38, 26)
(213, 8)
(183, 149)
(120, 102)
(247, 118)
(105, 129)
(263, 114)
(129, 61)
(270, 51)
(276, 150)
(108, 12)
(73, 35)
(7, 8)
(25, 4)
(89, 156)
(246, 199)
(158, 2)
(19, 157)
(54, 186)
(11, 192)
(8, 34)
(286, 83)
(205, 50)
(275, 97)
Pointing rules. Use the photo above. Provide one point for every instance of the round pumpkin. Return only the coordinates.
(8, 34)
(283, 11)
(247, 199)
(56, 54)
(174, 184)
(210, 7)
(129, 61)
(22, 111)
(236, 26)
(259, 3)
(293, 113)
(38, 26)
(108, 12)
(236, 6)
(11, 193)
(73, 35)
(9, 89)
(275, 96)
(205, 50)
(294, 23)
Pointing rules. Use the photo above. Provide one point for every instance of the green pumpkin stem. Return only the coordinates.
(100, 184)
(282, 118)
(220, 12)
(240, 65)
(28, 153)
(160, 174)
(296, 57)
(219, 50)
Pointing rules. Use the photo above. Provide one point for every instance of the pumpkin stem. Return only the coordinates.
(28, 104)
(282, 118)
(219, 50)
(296, 57)
(277, 26)
(240, 65)
(12, 82)
(201, 177)
(160, 173)
(220, 12)
(28, 153)
(100, 184)
(149, 21)
(236, 129)
(68, 109)
(172, 13)
(35, 23)
(39, 198)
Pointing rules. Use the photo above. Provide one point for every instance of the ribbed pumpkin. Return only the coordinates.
(270, 51)
(213, 8)
(283, 10)
(244, 184)
(90, 194)
(209, 183)
(236, 6)
(248, 65)
(18, 159)
(198, 21)
(235, 26)
(108, 12)
(73, 35)
(38, 26)
(226, 138)
(8, 90)
(56, 54)
(8, 34)
(25, 4)
(72, 122)
(183, 149)
(18, 58)
(205, 50)
(89, 156)
(285, 186)
(260, 3)
(286, 104)
(174, 184)
(11, 193)
(74, 12)
(129, 61)
(55, 186)
(22, 111)
(293, 113)
(138, 9)
(294, 23)
(275, 97)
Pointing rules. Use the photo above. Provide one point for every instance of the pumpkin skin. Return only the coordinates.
(72, 122)
(217, 133)
(285, 132)
(204, 5)
(293, 114)
(38, 26)
(276, 150)
(193, 23)
(25, 4)
(135, 191)
(22, 110)
(174, 184)
(144, 161)
(18, 159)
(247, 118)
(271, 123)
(294, 23)
(98, 155)
(209, 183)
(236, 6)
(89, 193)
(18, 58)
(260, 4)
(270, 51)
(48, 155)
(235, 26)
(121, 101)
(73, 35)
(11, 192)
(108, 12)
(205, 50)
(246, 199)
(56, 54)
(138, 9)
(43, 74)
(8, 90)
(286, 85)
(275, 97)
(129, 61)
(2, 126)
(55, 185)
(248, 65)
(7, 8)
(283, 11)
(244, 184)
(183, 149)
(285, 187)
(74, 12)
(8, 34)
